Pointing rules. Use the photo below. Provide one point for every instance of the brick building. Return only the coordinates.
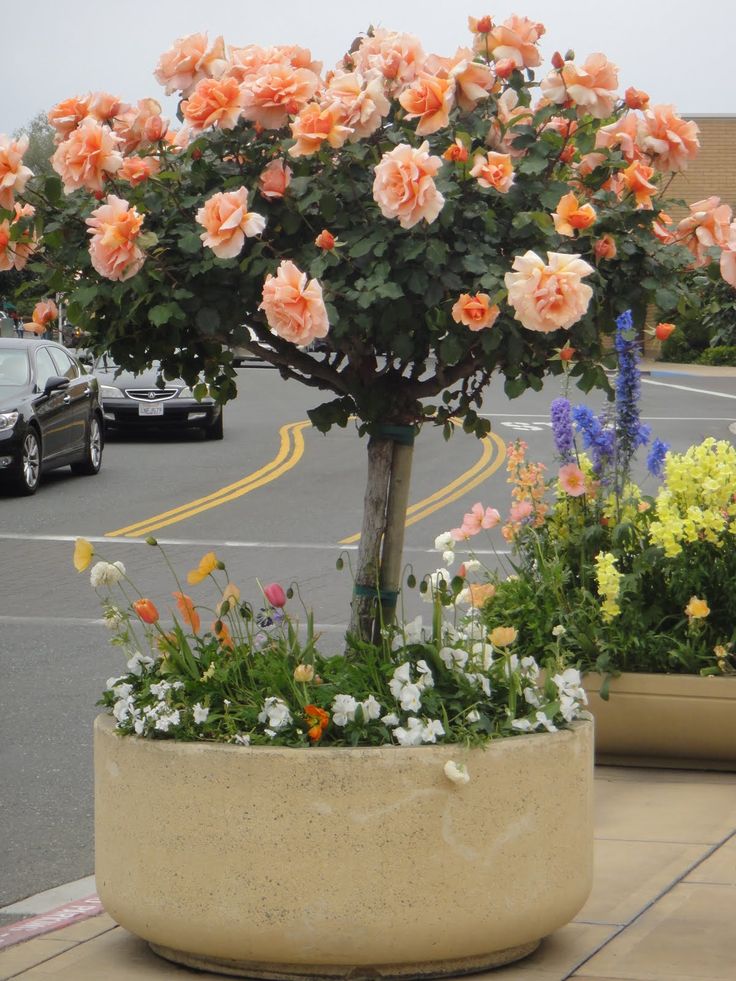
(714, 169)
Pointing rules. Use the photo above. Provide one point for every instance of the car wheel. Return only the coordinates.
(215, 429)
(92, 461)
(29, 471)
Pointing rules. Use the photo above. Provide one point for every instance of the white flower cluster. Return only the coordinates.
(106, 573)
(276, 713)
(571, 696)
(344, 707)
(467, 652)
(408, 691)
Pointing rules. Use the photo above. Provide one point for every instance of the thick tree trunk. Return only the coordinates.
(378, 573)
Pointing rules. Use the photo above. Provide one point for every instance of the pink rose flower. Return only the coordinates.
(295, 309)
(622, 133)
(494, 170)
(397, 57)
(591, 86)
(15, 253)
(104, 106)
(277, 91)
(188, 60)
(90, 153)
(473, 81)
(115, 228)
(13, 174)
(404, 186)
(274, 179)
(132, 124)
(548, 297)
(572, 480)
(669, 140)
(227, 222)
(213, 103)
(275, 595)
(135, 170)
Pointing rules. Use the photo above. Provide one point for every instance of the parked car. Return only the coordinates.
(50, 413)
(146, 400)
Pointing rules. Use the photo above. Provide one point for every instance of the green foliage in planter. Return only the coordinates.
(720, 355)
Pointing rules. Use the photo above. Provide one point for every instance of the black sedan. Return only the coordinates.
(50, 413)
(147, 401)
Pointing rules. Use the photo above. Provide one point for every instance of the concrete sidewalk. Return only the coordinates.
(655, 368)
(663, 906)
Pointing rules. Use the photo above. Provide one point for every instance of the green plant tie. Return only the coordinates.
(399, 434)
(384, 595)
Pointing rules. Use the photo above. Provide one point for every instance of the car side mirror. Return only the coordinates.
(55, 384)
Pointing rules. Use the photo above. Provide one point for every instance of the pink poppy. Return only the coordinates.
(572, 480)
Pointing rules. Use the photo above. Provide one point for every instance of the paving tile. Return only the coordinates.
(556, 956)
(21, 956)
(719, 868)
(628, 875)
(648, 774)
(687, 936)
(86, 929)
(655, 811)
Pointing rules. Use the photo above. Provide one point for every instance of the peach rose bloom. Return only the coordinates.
(591, 86)
(14, 254)
(213, 103)
(707, 226)
(362, 102)
(315, 126)
(397, 57)
(130, 125)
(589, 162)
(476, 312)
(636, 179)
(661, 229)
(501, 132)
(13, 174)
(189, 60)
(227, 222)
(245, 61)
(571, 216)
(294, 309)
(115, 228)
(473, 81)
(135, 170)
(548, 297)
(728, 258)
(274, 179)
(404, 186)
(636, 98)
(104, 106)
(605, 248)
(494, 170)
(67, 115)
(623, 133)
(430, 100)
(515, 39)
(670, 141)
(276, 92)
(87, 157)
(44, 312)
(155, 128)
(456, 152)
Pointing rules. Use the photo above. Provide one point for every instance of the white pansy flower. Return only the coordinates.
(371, 708)
(138, 662)
(532, 697)
(523, 725)
(177, 685)
(414, 632)
(390, 720)
(241, 739)
(453, 657)
(479, 679)
(412, 734)
(200, 713)
(410, 698)
(161, 689)
(271, 733)
(106, 573)
(164, 722)
(570, 708)
(482, 655)
(123, 709)
(456, 772)
(431, 729)
(139, 725)
(425, 680)
(473, 716)
(570, 683)
(529, 668)
(558, 631)
(343, 709)
(444, 542)
(276, 713)
(543, 722)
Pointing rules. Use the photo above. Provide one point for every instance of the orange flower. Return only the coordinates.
(274, 179)
(473, 81)
(622, 133)
(317, 720)
(663, 331)
(456, 152)
(605, 247)
(14, 254)
(188, 60)
(115, 228)
(294, 309)
(566, 353)
(132, 125)
(314, 126)
(503, 636)
(669, 140)
(361, 101)
(213, 103)
(207, 565)
(325, 240)
(636, 98)
(67, 115)
(707, 226)
(188, 613)
(480, 593)
(146, 610)
(430, 100)
(404, 186)
(104, 106)
(222, 632)
(44, 312)
(591, 86)
(660, 229)
(481, 25)
(135, 170)
(571, 215)
(277, 91)
(87, 157)
(636, 179)
(13, 175)
(572, 480)
(514, 40)
(227, 222)
(476, 312)
(397, 57)
(494, 170)
(548, 297)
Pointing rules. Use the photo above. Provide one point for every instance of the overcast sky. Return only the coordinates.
(680, 52)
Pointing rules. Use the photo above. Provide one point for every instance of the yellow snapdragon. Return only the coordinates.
(608, 579)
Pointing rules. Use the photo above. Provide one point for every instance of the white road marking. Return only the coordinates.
(686, 388)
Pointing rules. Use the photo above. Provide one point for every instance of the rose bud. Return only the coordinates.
(568, 153)
(558, 61)
(325, 240)
(605, 247)
(567, 353)
(484, 25)
(663, 331)
(636, 99)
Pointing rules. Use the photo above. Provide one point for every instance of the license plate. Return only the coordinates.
(150, 409)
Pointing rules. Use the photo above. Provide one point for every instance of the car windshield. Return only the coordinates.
(106, 362)
(14, 368)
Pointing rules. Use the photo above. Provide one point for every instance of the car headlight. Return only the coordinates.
(8, 419)
(108, 392)
(185, 393)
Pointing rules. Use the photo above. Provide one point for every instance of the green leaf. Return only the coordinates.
(190, 242)
(208, 320)
(162, 313)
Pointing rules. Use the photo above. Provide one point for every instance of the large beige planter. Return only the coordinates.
(361, 863)
(665, 719)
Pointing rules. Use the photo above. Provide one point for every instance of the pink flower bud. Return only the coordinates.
(275, 594)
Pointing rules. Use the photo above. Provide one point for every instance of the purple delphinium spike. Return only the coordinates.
(655, 459)
(597, 437)
(561, 416)
(630, 433)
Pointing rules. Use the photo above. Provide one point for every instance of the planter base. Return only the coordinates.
(378, 972)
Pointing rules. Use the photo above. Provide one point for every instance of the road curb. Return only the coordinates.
(50, 910)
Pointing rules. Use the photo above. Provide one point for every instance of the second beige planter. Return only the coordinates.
(680, 720)
(343, 863)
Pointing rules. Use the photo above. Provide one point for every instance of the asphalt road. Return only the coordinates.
(275, 499)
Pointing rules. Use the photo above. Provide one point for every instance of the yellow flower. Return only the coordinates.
(207, 565)
(303, 673)
(609, 583)
(697, 609)
(83, 552)
(503, 636)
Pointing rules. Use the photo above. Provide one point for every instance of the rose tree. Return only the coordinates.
(429, 220)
